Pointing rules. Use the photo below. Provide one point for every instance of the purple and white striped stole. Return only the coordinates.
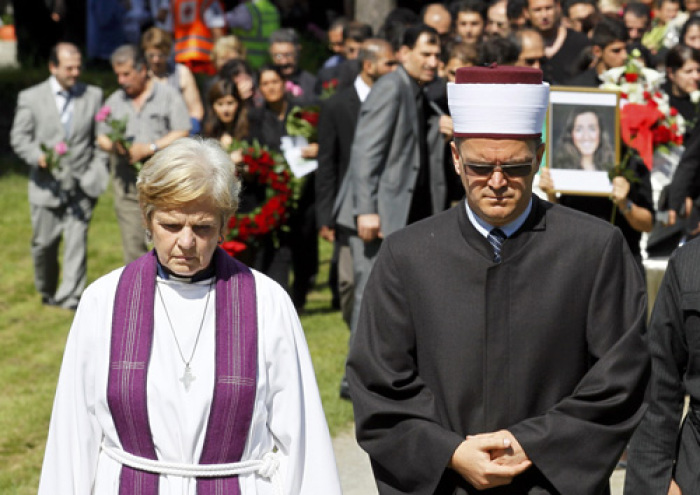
(236, 370)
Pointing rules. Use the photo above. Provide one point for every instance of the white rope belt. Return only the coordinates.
(267, 467)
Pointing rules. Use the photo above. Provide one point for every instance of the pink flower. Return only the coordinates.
(292, 88)
(61, 148)
(103, 114)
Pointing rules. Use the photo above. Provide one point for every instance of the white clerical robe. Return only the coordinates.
(287, 416)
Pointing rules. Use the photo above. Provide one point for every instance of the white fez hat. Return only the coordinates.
(498, 102)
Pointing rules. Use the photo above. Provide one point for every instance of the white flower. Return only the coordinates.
(695, 96)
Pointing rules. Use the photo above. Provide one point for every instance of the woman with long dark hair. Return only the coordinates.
(584, 143)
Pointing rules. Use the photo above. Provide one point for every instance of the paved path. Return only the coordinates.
(356, 474)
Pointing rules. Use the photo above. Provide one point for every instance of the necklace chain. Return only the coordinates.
(187, 377)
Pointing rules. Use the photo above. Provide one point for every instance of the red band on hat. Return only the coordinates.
(498, 74)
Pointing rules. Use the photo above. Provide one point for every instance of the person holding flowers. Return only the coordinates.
(299, 246)
(140, 118)
(54, 134)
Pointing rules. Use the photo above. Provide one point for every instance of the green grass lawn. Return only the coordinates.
(33, 336)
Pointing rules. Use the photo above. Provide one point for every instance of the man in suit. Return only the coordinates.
(500, 345)
(61, 199)
(336, 131)
(396, 174)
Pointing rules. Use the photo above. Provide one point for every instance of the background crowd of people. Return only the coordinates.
(233, 73)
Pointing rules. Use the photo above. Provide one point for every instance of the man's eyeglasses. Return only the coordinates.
(511, 170)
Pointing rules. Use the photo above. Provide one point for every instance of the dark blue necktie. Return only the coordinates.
(496, 238)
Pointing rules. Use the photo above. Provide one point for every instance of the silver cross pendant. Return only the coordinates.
(187, 378)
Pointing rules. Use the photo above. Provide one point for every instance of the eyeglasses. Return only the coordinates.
(511, 170)
(283, 56)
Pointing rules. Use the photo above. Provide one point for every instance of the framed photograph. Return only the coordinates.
(582, 139)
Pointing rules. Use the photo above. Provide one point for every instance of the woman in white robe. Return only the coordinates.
(288, 427)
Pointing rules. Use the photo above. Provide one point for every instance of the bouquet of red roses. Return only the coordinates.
(304, 122)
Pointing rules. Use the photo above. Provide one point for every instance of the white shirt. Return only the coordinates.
(485, 228)
(60, 98)
(287, 415)
(362, 89)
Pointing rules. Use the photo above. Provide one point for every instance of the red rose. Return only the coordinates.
(310, 117)
(673, 112)
(662, 135)
(629, 77)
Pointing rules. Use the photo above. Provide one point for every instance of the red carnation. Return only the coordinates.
(673, 112)
(629, 77)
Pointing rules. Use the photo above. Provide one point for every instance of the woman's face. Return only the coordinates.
(185, 238)
(685, 80)
(586, 133)
(271, 86)
(157, 60)
(692, 37)
(225, 108)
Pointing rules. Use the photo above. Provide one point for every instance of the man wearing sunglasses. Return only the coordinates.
(500, 343)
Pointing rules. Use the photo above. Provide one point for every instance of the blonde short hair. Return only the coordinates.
(229, 43)
(190, 169)
(157, 38)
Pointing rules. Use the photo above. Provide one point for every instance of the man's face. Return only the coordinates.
(68, 69)
(352, 48)
(421, 61)
(496, 197)
(497, 20)
(131, 80)
(469, 27)
(613, 55)
(543, 14)
(335, 40)
(668, 11)
(533, 51)
(284, 56)
(386, 62)
(636, 26)
(579, 14)
(692, 6)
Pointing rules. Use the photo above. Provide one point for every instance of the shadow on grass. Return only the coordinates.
(11, 164)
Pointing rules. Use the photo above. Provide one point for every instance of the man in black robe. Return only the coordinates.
(513, 366)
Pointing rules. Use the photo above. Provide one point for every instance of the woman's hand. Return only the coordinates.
(621, 189)
(546, 183)
(310, 151)
(226, 140)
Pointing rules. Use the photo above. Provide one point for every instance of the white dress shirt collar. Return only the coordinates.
(362, 88)
(484, 227)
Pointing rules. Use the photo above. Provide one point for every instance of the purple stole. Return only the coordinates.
(236, 371)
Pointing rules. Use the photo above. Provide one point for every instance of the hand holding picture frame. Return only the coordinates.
(583, 139)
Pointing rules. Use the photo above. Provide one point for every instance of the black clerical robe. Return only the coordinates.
(547, 344)
(661, 449)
